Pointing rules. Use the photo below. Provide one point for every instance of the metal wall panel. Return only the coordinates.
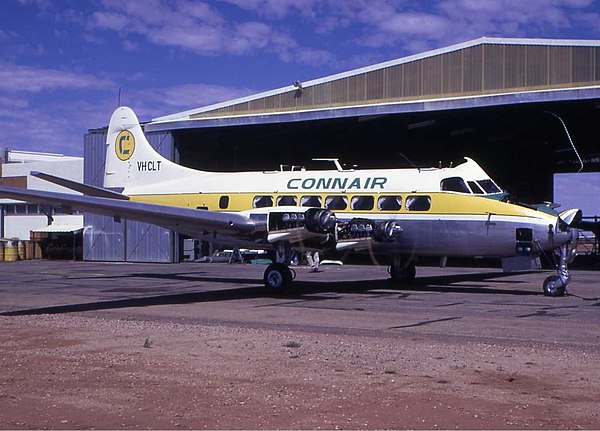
(393, 82)
(257, 105)
(597, 64)
(322, 94)
(356, 88)
(412, 79)
(374, 84)
(493, 67)
(514, 66)
(537, 66)
(473, 69)
(288, 99)
(560, 65)
(432, 75)
(583, 64)
(452, 72)
(105, 239)
(148, 243)
(339, 91)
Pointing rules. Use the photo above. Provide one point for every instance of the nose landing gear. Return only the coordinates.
(556, 285)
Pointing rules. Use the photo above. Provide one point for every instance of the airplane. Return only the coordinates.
(402, 213)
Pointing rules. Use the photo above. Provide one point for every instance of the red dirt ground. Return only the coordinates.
(75, 372)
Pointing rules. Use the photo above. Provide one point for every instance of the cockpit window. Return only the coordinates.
(475, 188)
(454, 184)
(489, 186)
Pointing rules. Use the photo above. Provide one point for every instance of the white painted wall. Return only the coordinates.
(578, 191)
(21, 163)
(20, 226)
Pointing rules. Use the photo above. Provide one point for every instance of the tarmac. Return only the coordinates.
(466, 303)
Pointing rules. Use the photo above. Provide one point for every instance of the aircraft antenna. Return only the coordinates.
(409, 161)
(119, 98)
(568, 136)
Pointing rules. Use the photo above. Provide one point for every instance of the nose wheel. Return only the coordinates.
(556, 285)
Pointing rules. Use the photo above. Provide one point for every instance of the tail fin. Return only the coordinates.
(131, 162)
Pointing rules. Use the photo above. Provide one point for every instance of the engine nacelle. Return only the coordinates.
(360, 228)
(387, 231)
(320, 220)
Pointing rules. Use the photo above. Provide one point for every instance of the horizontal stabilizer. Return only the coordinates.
(86, 189)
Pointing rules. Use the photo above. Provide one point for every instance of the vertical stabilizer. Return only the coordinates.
(131, 162)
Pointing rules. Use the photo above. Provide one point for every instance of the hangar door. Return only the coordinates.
(106, 239)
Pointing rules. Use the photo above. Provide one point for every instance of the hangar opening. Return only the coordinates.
(521, 147)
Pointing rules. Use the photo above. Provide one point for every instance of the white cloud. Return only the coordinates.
(201, 29)
(17, 79)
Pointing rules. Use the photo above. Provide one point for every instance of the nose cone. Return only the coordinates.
(571, 217)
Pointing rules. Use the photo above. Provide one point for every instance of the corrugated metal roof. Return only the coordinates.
(186, 115)
(59, 229)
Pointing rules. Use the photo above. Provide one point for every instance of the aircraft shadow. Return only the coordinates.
(302, 290)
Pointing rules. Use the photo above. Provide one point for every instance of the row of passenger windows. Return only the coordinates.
(340, 203)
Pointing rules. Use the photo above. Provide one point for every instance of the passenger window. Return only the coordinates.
(336, 203)
(311, 201)
(223, 202)
(262, 201)
(362, 203)
(389, 203)
(454, 184)
(476, 189)
(418, 203)
(287, 201)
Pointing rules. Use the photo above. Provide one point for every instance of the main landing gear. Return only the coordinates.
(402, 271)
(278, 277)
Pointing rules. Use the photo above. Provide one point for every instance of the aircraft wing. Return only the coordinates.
(186, 220)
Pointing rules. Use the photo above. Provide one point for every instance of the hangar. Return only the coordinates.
(525, 109)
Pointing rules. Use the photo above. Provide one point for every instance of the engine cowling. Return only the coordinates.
(387, 231)
(320, 220)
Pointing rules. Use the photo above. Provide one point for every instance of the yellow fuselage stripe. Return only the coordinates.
(441, 203)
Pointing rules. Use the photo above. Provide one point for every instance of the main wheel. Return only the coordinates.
(277, 277)
(403, 273)
(554, 286)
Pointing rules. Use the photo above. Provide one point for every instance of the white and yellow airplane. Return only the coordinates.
(403, 213)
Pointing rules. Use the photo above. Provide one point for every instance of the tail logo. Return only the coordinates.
(124, 145)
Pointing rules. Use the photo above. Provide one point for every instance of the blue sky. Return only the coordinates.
(62, 62)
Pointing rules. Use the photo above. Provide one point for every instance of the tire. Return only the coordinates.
(554, 286)
(403, 273)
(277, 277)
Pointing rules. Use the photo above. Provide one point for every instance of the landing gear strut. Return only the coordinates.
(556, 285)
(401, 271)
